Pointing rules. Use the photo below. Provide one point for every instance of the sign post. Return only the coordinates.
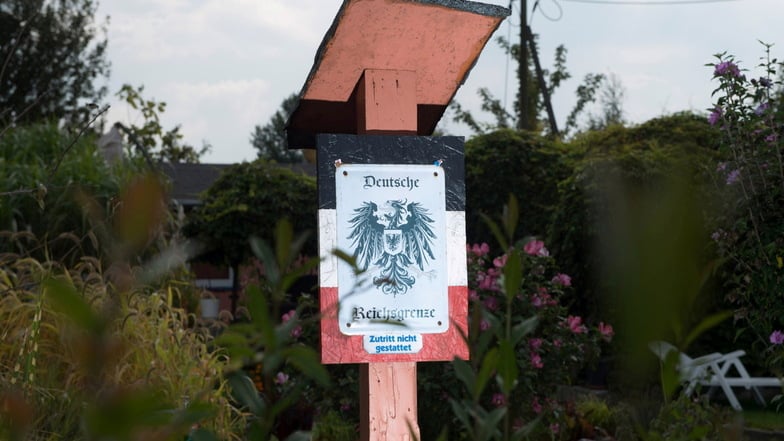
(393, 200)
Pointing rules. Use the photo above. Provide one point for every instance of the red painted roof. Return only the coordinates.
(439, 40)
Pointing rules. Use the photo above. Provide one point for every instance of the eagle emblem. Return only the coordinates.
(395, 239)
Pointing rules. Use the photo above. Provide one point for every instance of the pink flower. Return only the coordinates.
(487, 282)
(288, 316)
(607, 331)
(576, 324)
(536, 248)
(536, 301)
(281, 378)
(478, 250)
(296, 331)
(557, 343)
(491, 303)
(535, 343)
(536, 360)
(500, 261)
(777, 337)
(536, 406)
(484, 325)
(498, 399)
(562, 279)
(555, 428)
(472, 295)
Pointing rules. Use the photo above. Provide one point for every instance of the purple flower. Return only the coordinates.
(765, 82)
(281, 378)
(777, 337)
(498, 399)
(761, 109)
(771, 138)
(721, 166)
(727, 67)
(484, 325)
(733, 177)
(536, 406)
(715, 116)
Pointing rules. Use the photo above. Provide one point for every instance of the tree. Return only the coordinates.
(51, 54)
(49, 181)
(246, 201)
(150, 139)
(270, 140)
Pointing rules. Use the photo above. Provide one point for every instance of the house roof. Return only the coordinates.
(188, 181)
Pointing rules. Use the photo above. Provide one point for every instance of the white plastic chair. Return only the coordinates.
(716, 370)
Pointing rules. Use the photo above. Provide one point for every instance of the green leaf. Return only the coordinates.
(299, 436)
(264, 253)
(307, 361)
(524, 328)
(260, 315)
(283, 237)
(525, 431)
(507, 366)
(464, 373)
(513, 275)
(499, 236)
(66, 300)
(489, 425)
(511, 215)
(706, 324)
(244, 391)
(486, 371)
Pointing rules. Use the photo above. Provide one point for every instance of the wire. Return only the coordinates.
(541, 11)
(647, 3)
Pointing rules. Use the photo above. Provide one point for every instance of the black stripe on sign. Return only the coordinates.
(382, 149)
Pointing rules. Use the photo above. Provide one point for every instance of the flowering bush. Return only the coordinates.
(516, 305)
(749, 231)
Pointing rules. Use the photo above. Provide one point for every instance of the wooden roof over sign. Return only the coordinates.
(440, 40)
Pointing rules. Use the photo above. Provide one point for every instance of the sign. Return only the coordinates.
(391, 343)
(392, 219)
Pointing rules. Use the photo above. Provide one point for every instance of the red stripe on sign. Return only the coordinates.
(339, 348)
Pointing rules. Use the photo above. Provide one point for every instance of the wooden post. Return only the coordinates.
(386, 104)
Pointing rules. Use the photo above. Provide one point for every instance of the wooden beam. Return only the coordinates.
(386, 104)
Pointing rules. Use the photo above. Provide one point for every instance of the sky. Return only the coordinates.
(224, 66)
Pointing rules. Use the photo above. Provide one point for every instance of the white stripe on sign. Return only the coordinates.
(456, 248)
(328, 270)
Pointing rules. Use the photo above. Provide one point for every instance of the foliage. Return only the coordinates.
(527, 165)
(272, 344)
(270, 140)
(150, 139)
(51, 54)
(523, 343)
(636, 159)
(45, 175)
(611, 99)
(749, 231)
(80, 359)
(684, 419)
(246, 201)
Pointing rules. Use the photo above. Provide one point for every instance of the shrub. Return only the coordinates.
(749, 231)
(89, 361)
(521, 163)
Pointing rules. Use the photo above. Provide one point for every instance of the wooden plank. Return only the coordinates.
(386, 103)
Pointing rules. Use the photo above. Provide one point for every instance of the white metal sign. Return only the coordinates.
(392, 219)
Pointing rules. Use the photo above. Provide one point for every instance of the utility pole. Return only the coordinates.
(522, 94)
